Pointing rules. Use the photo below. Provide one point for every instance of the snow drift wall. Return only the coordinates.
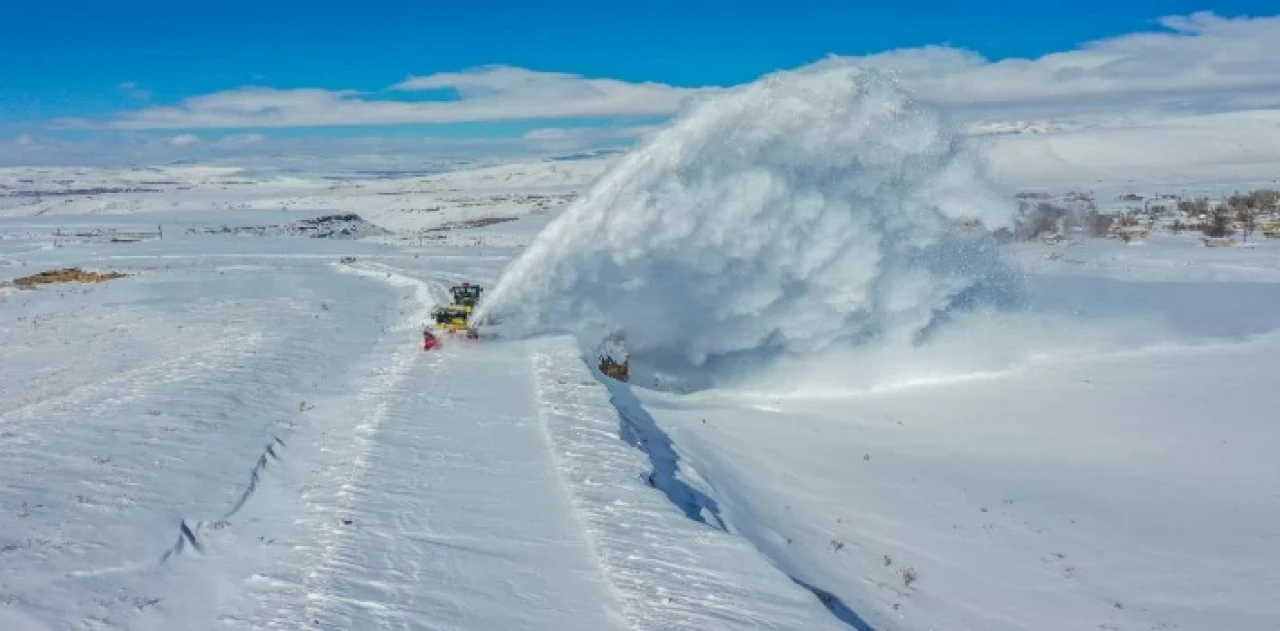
(812, 209)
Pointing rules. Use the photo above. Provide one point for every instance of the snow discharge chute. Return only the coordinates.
(811, 209)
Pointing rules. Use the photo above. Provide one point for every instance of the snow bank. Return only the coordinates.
(662, 546)
(811, 209)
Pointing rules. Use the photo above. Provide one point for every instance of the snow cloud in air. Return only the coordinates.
(811, 209)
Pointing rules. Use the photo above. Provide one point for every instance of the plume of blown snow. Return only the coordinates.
(811, 209)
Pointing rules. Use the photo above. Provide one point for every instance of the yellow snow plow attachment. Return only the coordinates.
(451, 317)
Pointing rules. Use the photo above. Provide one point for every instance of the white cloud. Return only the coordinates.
(184, 140)
(485, 94)
(504, 86)
(1199, 63)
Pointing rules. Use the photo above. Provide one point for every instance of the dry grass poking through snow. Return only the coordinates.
(67, 275)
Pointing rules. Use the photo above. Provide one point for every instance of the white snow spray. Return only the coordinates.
(813, 209)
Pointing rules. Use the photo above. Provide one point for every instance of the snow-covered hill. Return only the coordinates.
(396, 202)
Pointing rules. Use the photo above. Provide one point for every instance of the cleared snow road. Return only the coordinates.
(449, 512)
(460, 520)
(488, 488)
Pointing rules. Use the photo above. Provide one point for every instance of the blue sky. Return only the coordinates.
(99, 61)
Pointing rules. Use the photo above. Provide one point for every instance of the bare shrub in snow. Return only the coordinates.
(909, 576)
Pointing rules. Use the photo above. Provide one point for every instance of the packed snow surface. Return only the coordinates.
(812, 208)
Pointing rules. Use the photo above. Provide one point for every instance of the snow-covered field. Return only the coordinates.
(245, 433)
(1131, 487)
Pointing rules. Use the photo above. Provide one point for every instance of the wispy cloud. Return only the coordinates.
(491, 93)
(132, 89)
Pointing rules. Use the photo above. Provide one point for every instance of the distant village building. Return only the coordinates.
(1220, 242)
(1133, 233)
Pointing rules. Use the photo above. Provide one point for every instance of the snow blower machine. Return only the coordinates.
(454, 318)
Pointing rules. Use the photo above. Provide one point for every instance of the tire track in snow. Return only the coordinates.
(461, 520)
(374, 401)
(426, 293)
(377, 397)
(445, 525)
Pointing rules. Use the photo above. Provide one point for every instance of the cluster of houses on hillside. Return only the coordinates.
(1133, 217)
